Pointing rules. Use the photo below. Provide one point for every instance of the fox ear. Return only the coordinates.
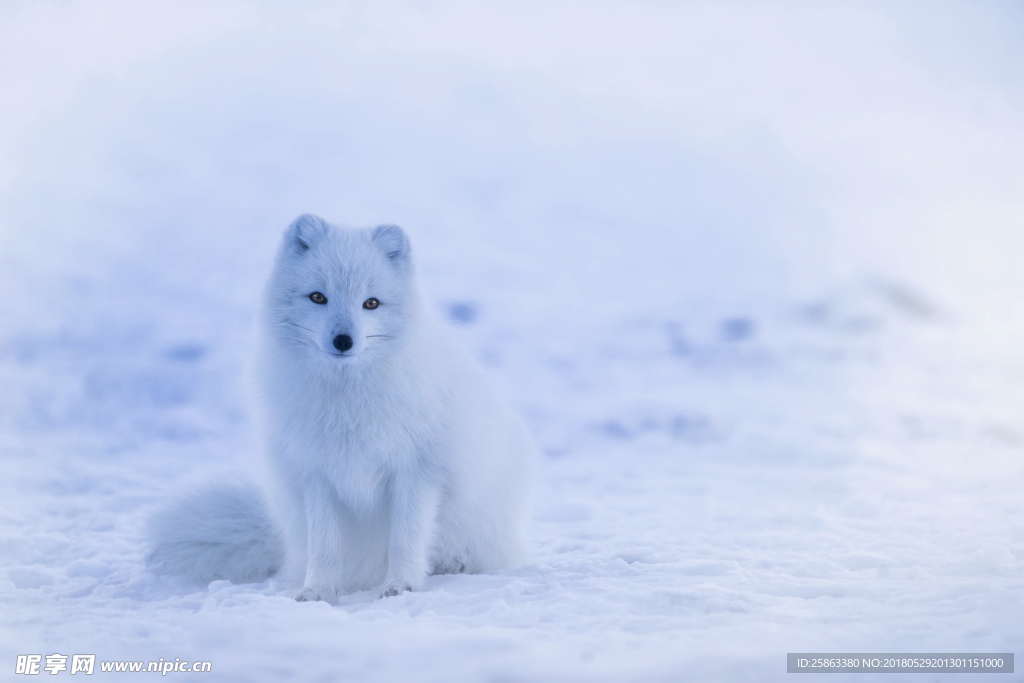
(305, 231)
(392, 240)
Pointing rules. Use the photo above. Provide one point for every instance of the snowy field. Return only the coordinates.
(751, 273)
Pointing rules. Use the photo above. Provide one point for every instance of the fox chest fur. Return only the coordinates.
(357, 431)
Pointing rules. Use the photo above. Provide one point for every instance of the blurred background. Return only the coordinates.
(716, 252)
(703, 153)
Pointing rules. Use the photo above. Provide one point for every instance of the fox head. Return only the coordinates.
(340, 295)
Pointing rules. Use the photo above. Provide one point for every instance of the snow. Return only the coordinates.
(751, 276)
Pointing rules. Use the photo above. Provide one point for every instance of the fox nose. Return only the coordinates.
(343, 342)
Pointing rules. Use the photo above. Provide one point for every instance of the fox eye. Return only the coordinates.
(371, 304)
(318, 298)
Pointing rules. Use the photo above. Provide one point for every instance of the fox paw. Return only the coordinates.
(451, 566)
(322, 594)
(393, 589)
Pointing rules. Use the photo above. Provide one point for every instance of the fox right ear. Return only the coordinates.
(305, 231)
(392, 240)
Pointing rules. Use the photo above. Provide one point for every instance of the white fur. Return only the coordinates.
(392, 460)
(222, 532)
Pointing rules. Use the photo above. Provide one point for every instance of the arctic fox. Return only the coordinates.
(390, 459)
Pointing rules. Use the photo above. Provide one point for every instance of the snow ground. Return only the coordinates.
(752, 278)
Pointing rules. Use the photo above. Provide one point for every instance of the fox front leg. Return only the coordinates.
(323, 544)
(413, 509)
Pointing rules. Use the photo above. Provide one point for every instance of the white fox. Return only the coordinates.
(390, 459)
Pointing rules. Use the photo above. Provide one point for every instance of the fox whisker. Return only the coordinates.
(291, 324)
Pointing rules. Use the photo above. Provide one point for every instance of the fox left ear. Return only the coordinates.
(305, 231)
(392, 240)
